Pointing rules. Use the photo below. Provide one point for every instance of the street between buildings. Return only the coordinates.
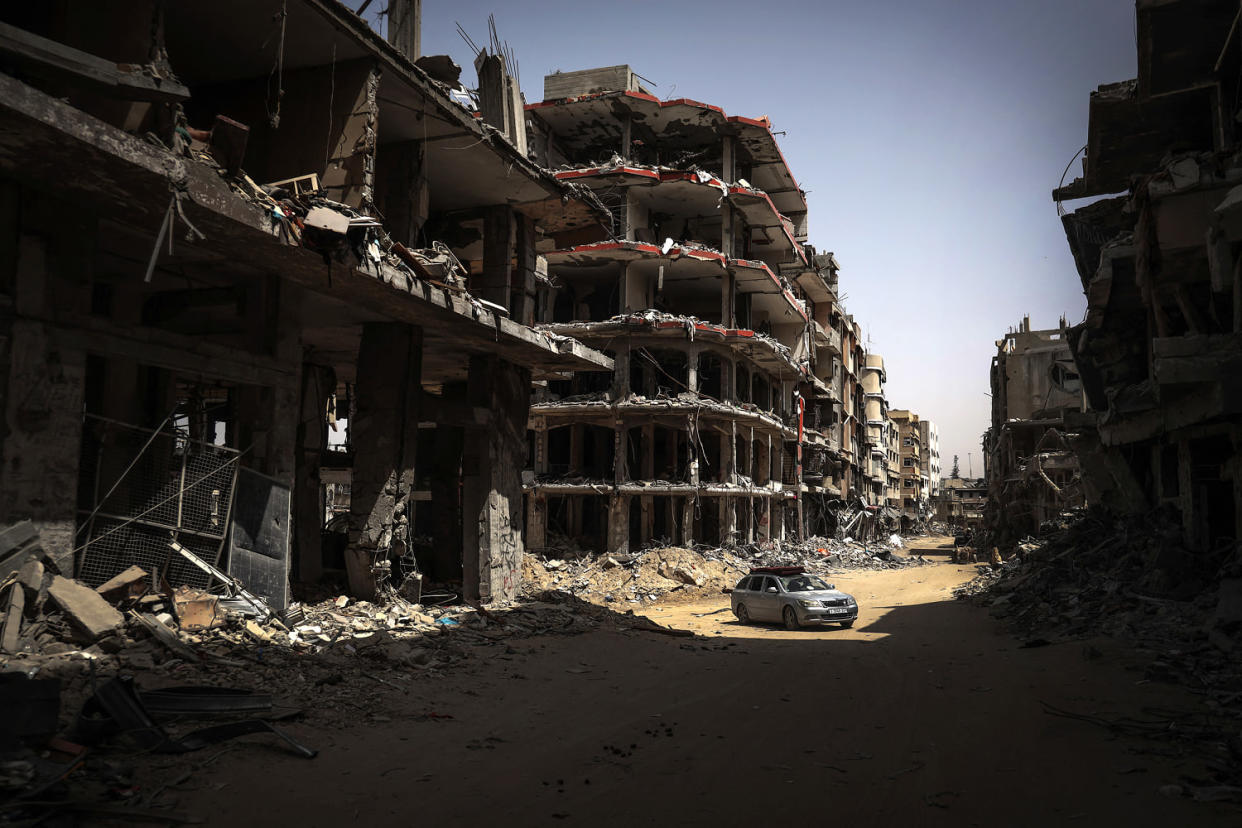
(925, 713)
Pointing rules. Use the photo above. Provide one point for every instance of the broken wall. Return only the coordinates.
(327, 123)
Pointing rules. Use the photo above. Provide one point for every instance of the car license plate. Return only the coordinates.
(836, 610)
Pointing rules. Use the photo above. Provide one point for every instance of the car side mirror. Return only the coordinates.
(771, 589)
(727, 590)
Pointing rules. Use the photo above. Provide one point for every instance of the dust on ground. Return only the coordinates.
(674, 574)
(926, 713)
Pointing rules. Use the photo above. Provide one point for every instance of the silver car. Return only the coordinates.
(793, 596)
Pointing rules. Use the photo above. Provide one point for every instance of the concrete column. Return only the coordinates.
(405, 27)
(728, 305)
(620, 452)
(692, 450)
(406, 194)
(492, 486)
(621, 371)
(536, 520)
(777, 456)
(687, 518)
(41, 434)
(385, 436)
(268, 415)
(748, 453)
(446, 460)
(540, 426)
(731, 454)
(318, 385)
(623, 289)
(619, 524)
(750, 519)
(627, 140)
(765, 459)
(633, 215)
(498, 232)
(523, 292)
(647, 507)
(765, 519)
(692, 368)
(670, 519)
(728, 521)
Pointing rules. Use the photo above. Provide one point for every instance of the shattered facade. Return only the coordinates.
(1161, 265)
(1030, 465)
(228, 231)
(930, 437)
(961, 502)
(735, 412)
(877, 423)
(910, 471)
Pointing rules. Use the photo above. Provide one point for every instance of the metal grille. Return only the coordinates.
(140, 489)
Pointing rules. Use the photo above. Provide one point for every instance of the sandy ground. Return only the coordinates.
(924, 714)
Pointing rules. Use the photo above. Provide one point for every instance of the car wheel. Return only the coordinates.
(743, 616)
(847, 624)
(791, 619)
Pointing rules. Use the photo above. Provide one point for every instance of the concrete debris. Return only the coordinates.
(1133, 582)
(89, 614)
(679, 573)
(128, 584)
(441, 68)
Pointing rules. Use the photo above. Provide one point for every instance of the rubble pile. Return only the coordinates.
(133, 664)
(833, 555)
(640, 577)
(1134, 581)
(1105, 575)
(665, 573)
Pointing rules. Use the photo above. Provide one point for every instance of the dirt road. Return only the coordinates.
(924, 714)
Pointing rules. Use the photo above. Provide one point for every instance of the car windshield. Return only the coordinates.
(802, 583)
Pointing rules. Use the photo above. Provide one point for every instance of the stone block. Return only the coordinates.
(91, 616)
(129, 584)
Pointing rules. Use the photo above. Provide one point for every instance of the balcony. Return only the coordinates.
(828, 338)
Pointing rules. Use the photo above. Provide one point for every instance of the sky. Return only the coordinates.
(927, 134)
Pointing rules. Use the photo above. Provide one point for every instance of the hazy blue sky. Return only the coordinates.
(928, 134)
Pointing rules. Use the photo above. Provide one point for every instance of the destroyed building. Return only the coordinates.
(227, 229)
(892, 445)
(875, 410)
(930, 437)
(733, 403)
(910, 471)
(1161, 265)
(960, 502)
(1029, 463)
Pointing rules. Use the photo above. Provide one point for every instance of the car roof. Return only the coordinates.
(777, 570)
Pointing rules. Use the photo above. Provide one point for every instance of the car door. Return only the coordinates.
(767, 604)
(742, 594)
